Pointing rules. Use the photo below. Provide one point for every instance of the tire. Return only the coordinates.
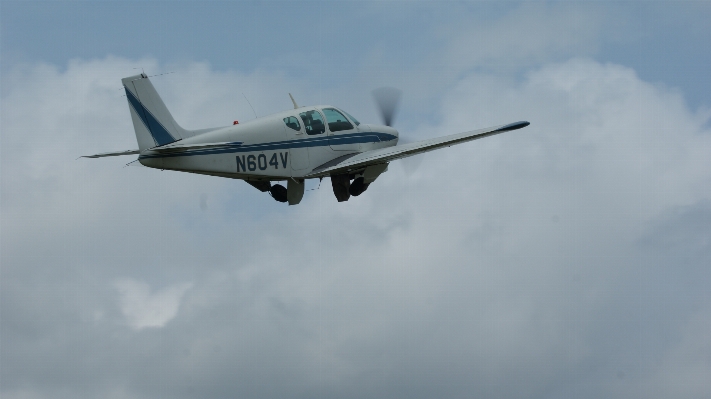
(358, 187)
(278, 192)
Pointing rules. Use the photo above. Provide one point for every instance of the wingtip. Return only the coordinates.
(513, 126)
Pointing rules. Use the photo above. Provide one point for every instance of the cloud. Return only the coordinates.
(558, 259)
(687, 365)
(144, 309)
(524, 36)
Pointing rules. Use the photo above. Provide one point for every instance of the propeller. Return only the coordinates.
(387, 99)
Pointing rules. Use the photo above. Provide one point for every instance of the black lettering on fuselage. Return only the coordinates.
(262, 161)
(253, 162)
(240, 163)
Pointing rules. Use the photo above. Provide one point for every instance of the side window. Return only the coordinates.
(293, 123)
(313, 122)
(336, 120)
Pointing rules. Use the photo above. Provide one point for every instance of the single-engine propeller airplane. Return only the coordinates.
(292, 146)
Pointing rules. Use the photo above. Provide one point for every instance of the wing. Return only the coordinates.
(359, 160)
(112, 154)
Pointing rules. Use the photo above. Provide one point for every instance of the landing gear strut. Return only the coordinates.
(341, 185)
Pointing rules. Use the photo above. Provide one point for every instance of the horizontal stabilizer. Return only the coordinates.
(112, 154)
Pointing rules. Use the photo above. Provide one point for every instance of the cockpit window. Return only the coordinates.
(293, 123)
(313, 122)
(352, 118)
(336, 120)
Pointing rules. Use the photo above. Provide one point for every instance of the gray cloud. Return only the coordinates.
(565, 259)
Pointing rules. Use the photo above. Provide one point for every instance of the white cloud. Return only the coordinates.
(143, 308)
(508, 267)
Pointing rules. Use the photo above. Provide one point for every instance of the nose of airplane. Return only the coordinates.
(386, 129)
(394, 132)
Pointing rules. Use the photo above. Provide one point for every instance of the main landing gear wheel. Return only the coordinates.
(278, 192)
(357, 187)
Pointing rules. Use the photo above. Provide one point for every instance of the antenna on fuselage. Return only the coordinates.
(296, 106)
(250, 106)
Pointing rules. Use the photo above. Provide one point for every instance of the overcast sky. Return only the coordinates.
(567, 259)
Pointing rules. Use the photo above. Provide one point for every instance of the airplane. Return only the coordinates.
(292, 146)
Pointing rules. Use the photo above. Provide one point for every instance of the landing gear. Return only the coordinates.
(293, 194)
(278, 192)
(341, 184)
(343, 188)
(295, 191)
(358, 186)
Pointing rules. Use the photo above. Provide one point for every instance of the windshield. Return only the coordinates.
(336, 120)
(352, 118)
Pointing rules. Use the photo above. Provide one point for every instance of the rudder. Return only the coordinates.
(153, 123)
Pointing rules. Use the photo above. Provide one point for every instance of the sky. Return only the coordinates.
(567, 259)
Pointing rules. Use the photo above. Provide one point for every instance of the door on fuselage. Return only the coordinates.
(316, 140)
(341, 132)
(297, 151)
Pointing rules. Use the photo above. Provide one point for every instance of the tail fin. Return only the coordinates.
(152, 121)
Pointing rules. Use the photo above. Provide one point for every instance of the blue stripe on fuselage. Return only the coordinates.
(354, 138)
(157, 130)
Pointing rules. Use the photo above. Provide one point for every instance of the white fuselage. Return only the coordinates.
(267, 149)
